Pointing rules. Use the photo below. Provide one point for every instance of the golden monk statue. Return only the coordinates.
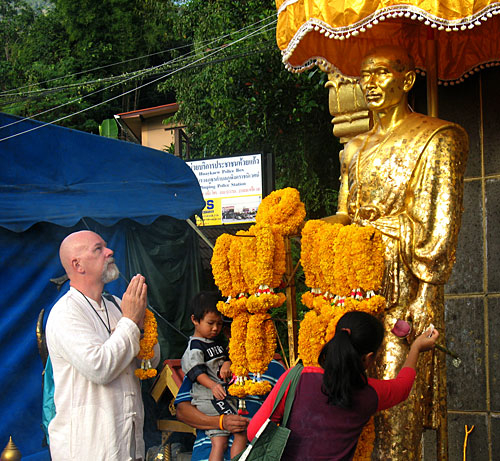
(405, 177)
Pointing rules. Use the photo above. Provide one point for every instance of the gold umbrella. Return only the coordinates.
(336, 34)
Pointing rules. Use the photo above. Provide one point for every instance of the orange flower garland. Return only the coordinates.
(254, 262)
(234, 256)
(147, 343)
(237, 350)
(348, 269)
(248, 255)
(220, 264)
(283, 210)
(308, 255)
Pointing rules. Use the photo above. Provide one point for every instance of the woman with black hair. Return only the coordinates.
(333, 402)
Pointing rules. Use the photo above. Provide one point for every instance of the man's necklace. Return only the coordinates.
(108, 326)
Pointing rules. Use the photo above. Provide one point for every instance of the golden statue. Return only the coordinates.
(405, 177)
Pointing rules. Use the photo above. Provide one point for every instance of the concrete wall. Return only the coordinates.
(473, 291)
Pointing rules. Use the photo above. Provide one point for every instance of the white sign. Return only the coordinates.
(231, 187)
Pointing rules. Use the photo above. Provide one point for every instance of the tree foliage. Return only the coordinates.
(77, 54)
(235, 94)
(242, 99)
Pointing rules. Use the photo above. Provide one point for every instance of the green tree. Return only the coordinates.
(242, 99)
(67, 57)
(15, 16)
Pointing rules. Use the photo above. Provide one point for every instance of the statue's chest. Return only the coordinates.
(379, 174)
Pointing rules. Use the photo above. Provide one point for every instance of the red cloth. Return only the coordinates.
(322, 431)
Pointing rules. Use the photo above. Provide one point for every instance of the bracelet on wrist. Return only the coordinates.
(221, 423)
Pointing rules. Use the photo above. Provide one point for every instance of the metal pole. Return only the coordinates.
(291, 304)
(431, 67)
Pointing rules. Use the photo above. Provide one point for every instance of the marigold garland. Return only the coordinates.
(220, 264)
(279, 263)
(237, 350)
(344, 266)
(238, 284)
(147, 343)
(265, 244)
(283, 210)
(254, 262)
(308, 252)
(327, 260)
(258, 342)
(248, 255)
(311, 338)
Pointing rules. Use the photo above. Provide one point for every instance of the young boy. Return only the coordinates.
(206, 364)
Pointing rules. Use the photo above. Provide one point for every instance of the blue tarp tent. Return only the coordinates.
(54, 181)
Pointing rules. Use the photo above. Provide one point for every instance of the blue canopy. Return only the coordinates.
(54, 181)
(59, 175)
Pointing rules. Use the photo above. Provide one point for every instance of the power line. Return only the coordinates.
(139, 87)
(132, 77)
(207, 41)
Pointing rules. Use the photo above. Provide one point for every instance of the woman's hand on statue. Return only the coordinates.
(427, 340)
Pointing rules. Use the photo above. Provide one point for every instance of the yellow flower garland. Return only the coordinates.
(326, 254)
(147, 343)
(254, 262)
(308, 252)
(264, 237)
(220, 264)
(279, 263)
(346, 263)
(248, 255)
(283, 210)
(237, 350)
(238, 284)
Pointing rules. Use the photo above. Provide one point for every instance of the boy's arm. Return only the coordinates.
(217, 390)
(225, 370)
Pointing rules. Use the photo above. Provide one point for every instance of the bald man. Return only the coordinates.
(93, 348)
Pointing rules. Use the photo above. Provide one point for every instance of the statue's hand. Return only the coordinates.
(339, 218)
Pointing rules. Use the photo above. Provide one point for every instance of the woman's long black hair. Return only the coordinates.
(357, 334)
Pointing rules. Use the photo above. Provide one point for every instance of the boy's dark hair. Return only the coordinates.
(205, 302)
(356, 334)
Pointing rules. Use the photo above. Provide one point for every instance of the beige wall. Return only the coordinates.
(157, 135)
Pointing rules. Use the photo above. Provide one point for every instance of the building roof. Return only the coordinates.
(133, 119)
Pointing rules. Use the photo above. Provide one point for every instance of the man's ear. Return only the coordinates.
(77, 267)
(409, 80)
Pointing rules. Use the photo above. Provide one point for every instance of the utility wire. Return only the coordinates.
(139, 87)
(134, 76)
(138, 73)
(207, 41)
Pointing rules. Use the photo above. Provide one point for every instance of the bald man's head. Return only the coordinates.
(73, 246)
(85, 254)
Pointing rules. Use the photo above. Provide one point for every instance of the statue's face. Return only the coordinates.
(382, 81)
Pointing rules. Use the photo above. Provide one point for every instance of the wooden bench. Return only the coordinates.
(170, 379)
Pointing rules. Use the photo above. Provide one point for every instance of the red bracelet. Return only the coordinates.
(221, 425)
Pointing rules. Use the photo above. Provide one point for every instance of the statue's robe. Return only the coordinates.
(410, 187)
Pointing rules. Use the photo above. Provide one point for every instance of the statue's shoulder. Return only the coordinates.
(352, 147)
(427, 125)
(443, 137)
(357, 141)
